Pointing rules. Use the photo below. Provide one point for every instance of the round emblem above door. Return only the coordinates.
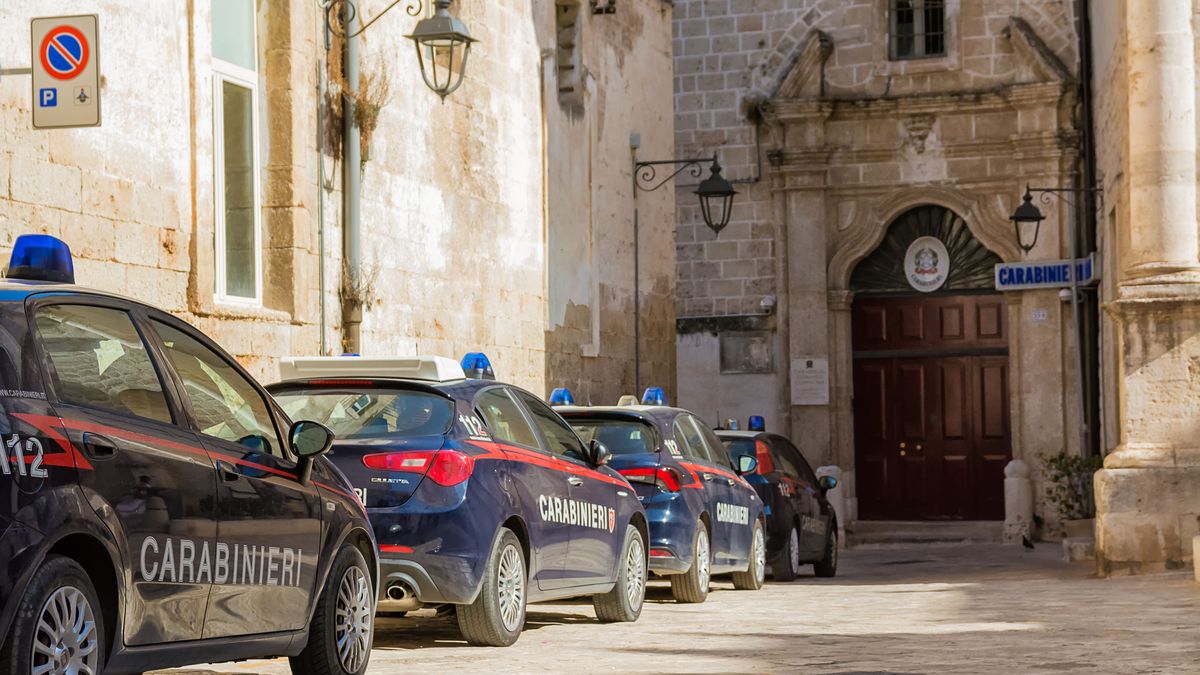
(926, 264)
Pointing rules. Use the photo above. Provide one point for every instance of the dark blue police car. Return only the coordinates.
(480, 495)
(704, 518)
(801, 524)
(157, 508)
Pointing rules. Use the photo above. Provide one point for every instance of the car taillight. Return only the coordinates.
(444, 467)
(664, 478)
(763, 455)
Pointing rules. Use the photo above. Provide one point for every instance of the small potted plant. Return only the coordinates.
(1071, 491)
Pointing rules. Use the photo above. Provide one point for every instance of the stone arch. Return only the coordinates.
(985, 218)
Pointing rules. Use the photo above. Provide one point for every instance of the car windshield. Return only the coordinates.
(739, 446)
(622, 437)
(371, 413)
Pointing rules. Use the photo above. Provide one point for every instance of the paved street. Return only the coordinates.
(960, 609)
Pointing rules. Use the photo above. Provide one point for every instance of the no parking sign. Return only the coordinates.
(66, 71)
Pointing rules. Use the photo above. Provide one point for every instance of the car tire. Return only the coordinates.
(497, 616)
(787, 566)
(350, 593)
(827, 565)
(624, 602)
(692, 586)
(756, 572)
(62, 582)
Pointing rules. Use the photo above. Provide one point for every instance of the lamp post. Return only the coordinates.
(1028, 214)
(716, 206)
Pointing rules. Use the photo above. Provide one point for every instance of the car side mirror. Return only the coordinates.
(309, 440)
(827, 483)
(598, 452)
(746, 464)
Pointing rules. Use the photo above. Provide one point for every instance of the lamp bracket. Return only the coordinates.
(646, 173)
(340, 13)
(1046, 195)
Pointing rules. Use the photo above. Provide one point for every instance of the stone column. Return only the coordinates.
(1162, 129)
(1148, 494)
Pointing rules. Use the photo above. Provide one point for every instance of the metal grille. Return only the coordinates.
(918, 29)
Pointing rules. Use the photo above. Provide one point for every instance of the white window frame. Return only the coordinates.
(224, 72)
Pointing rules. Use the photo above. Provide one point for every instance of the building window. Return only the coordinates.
(235, 151)
(918, 29)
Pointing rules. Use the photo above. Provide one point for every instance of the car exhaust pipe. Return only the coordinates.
(398, 592)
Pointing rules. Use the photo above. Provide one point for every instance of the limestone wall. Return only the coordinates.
(456, 196)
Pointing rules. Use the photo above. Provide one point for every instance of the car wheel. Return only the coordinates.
(756, 572)
(59, 625)
(692, 586)
(827, 566)
(624, 601)
(342, 628)
(787, 566)
(497, 616)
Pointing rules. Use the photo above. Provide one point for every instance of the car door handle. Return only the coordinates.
(99, 447)
(707, 476)
(575, 480)
(729, 480)
(228, 473)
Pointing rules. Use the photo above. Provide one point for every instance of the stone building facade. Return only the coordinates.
(880, 147)
(499, 220)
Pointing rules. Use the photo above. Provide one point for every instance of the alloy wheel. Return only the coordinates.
(65, 641)
(702, 556)
(760, 556)
(511, 587)
(353, 620)
(794, 551)
(635, 574)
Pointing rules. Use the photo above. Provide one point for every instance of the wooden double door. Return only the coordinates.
(931, 413)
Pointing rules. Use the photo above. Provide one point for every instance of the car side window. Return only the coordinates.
(686, 436)
(795, 457)
(504, 418)
(716, 450)
(101, 360)
(558, 434)
(784, 463)
(226, 405)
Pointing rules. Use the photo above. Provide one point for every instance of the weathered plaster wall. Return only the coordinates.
(455, 205)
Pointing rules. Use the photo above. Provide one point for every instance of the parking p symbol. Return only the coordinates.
(48, 97)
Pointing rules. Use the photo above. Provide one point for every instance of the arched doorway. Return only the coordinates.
(930, 342)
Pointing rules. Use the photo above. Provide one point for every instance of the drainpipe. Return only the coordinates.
(1089, 330)
(351, 202)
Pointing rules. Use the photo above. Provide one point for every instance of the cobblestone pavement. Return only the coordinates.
(956, 609)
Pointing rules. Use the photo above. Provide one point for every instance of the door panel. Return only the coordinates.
(931, 407)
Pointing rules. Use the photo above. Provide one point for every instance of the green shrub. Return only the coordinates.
(1070, 479)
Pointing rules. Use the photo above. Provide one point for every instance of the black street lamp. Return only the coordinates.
(443, 43)
(716, 205)
(1027, 214)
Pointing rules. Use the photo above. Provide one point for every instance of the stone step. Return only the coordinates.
(894, 532)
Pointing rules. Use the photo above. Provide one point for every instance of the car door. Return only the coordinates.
(534, 485)
(706, 464)
(591, 512)
(152, 480)
(805, 495)
(268, 522)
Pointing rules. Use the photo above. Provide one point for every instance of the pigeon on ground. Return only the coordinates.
(1026, 543)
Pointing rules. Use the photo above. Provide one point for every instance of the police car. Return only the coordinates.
(480, 495)
(801, 524)
(705, 519)
(157, 508)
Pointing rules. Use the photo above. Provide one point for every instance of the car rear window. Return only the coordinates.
(623, 437)
(371, 413)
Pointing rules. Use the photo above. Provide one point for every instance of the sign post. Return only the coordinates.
(66, 71)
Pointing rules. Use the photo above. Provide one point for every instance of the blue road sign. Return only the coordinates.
(48, 97)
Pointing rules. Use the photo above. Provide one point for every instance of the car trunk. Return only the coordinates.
(379, 486)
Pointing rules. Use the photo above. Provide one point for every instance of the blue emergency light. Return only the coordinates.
(756, 423)
(561, 396)
(654, 396)
(41, 257)
(477, 366)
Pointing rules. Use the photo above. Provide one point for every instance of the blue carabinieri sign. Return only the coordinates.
(1045, 274)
